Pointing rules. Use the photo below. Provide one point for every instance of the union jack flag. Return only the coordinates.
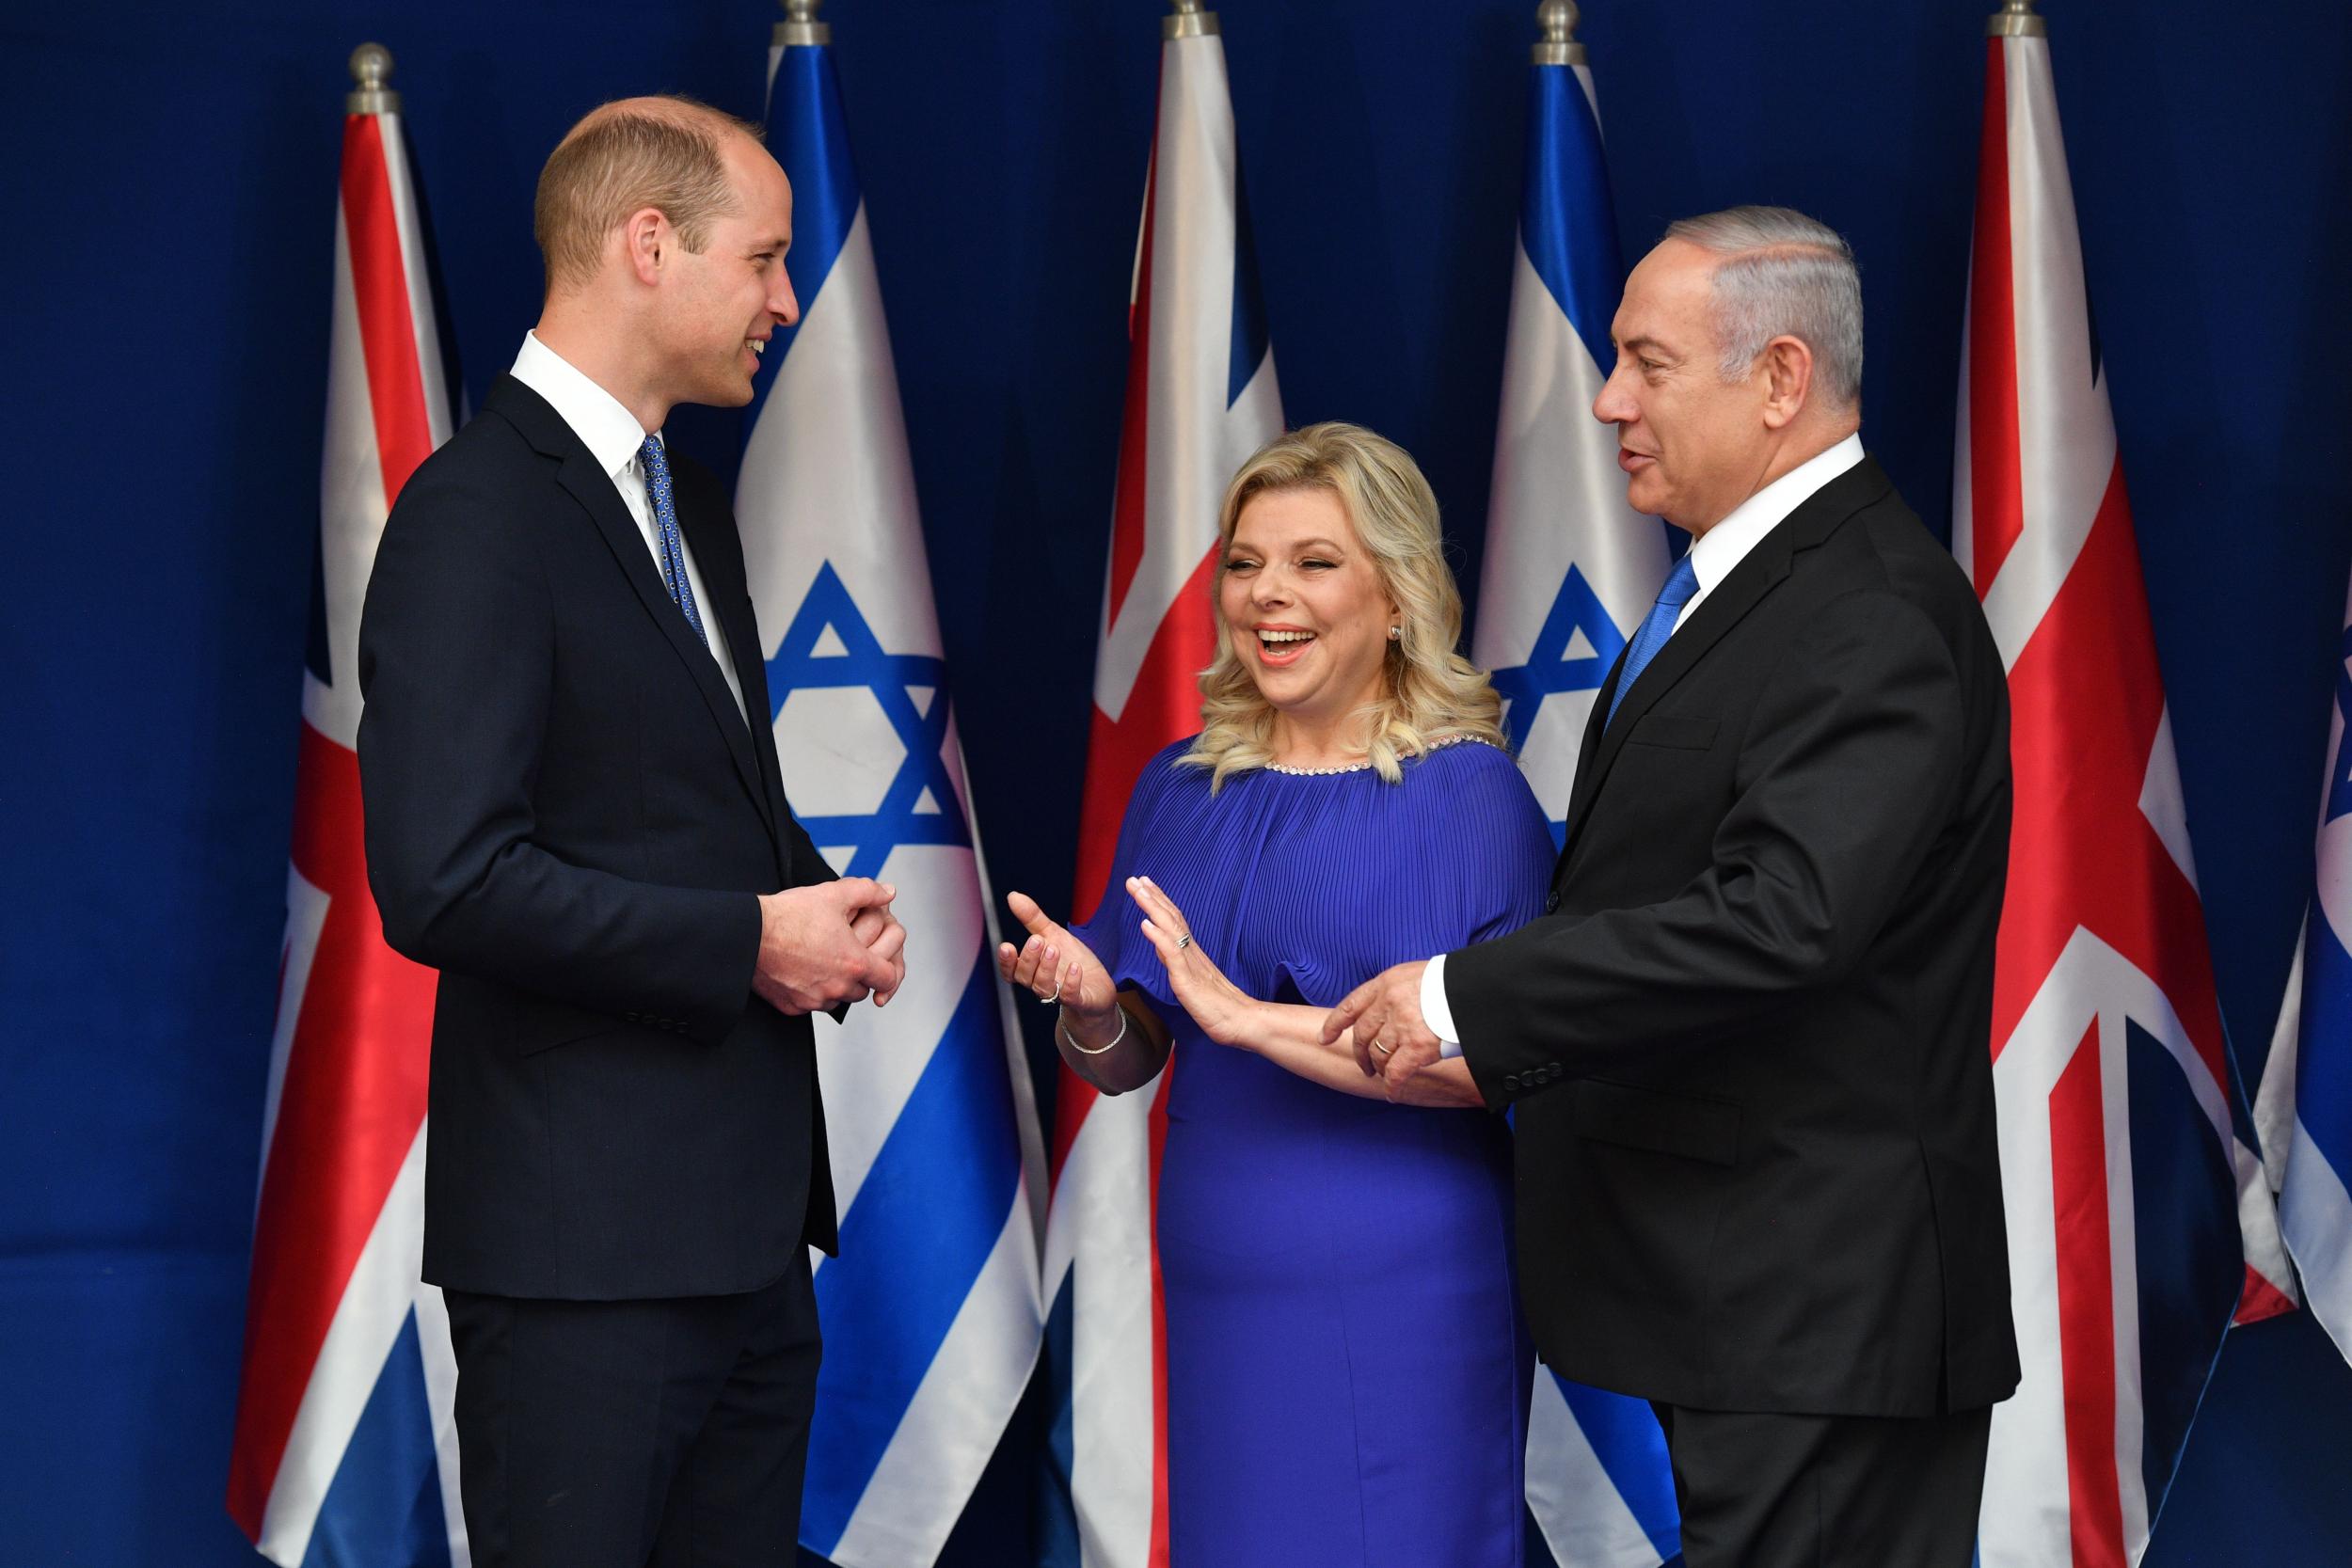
(2138, 1223)
(1200, 398)
(345, 1454)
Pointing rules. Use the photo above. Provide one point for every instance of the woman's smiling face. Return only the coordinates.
(1303, 607)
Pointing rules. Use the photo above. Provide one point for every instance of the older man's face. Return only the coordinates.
(1693, 446)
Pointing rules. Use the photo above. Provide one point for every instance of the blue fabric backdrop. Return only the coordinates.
(170, 175)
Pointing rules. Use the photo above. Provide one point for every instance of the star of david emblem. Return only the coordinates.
(1574, 651)
(2340, 785)
(829, 646)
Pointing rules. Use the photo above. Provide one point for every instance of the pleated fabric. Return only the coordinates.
(1349, 1373)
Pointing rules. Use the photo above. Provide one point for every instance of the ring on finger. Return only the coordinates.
(1183, 940)
(1384, 1050)
(1049, 1001)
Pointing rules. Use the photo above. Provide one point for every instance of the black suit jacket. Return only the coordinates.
(1749, 1049)
(569, 817)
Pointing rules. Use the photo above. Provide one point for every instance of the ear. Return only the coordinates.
(647, 239)
(1787, 380)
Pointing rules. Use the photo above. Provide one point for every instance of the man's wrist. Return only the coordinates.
(1435, 1012)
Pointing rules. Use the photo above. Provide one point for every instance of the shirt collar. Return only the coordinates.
(609, 430)
(1714, 553)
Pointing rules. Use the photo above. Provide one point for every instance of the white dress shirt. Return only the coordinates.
(612, 435)
(1713, 554)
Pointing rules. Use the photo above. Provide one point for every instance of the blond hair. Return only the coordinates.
(663, 152)
(1429, 693)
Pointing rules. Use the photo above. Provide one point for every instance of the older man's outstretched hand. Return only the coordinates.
(1392, 1040)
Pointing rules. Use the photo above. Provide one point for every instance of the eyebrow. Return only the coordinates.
(1642, 343)
(1303, 544)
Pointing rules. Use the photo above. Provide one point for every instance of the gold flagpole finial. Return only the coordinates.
(800, 26)
(1187, 19)
(1555, 23)
(2016, 19)
(370, 69)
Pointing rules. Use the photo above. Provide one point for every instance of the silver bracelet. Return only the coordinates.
(1061, 1027)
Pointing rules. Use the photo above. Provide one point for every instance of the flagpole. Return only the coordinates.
(800, 26)
(2016, 19)
(1187, 19)
(1556, 20)
(370, 69)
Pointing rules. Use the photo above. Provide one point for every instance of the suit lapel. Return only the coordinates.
(592, 487)
(719, 553)
(1758, 574)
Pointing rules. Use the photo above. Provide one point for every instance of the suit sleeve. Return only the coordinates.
(457, 669)
(1852, 765)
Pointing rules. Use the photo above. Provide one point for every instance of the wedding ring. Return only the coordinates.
(1384, 1050)
(1049, 1001)
(1184, 941)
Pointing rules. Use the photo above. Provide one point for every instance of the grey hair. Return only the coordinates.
(1783, 275)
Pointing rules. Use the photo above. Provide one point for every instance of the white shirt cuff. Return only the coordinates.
(1435, 1012)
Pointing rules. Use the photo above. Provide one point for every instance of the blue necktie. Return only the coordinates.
(1656, 627)
(669, 547)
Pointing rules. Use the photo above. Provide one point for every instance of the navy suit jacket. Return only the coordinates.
(569, 817)
(1749, 1048)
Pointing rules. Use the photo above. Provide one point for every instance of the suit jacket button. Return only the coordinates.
(1552, 905)
(1511, 1083)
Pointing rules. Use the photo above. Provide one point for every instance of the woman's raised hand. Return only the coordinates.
(1222, 1009)
(1056, 966)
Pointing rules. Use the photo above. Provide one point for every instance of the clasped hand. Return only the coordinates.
(1392, 1040)
(828, 943)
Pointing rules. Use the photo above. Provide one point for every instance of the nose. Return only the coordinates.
(782, 303)
(1614, 404)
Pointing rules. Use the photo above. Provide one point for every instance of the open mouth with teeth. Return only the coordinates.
(1282, 647)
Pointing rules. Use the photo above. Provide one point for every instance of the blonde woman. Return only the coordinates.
(1347, 1376)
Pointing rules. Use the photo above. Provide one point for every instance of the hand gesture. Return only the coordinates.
(1222, 1009)
(1056, 966)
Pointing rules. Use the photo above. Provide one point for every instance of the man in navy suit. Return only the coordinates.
(574, 812)
(1749, 1046)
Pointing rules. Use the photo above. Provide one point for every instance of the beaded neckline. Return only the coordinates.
(1366, 767)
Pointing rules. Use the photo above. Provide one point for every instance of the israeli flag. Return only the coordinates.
(930, 1313)
(1570, 572)
(2304, 1112)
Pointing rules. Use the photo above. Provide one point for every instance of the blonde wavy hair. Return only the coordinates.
(1429, 693)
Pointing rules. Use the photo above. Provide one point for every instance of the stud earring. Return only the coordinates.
(1396, 634)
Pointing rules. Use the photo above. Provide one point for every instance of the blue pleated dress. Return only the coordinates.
(1347, 1371)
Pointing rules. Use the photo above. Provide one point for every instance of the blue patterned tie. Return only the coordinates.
(1656, 627)
(671, 550)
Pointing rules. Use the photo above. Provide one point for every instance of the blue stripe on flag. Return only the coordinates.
(384, 1508)
(1249, 329)
(1056, 1518)
(810, 137)
(922, 1224)
(2322, 1068)
(1626, 1438)
(1566, 188)
(2192, 1263)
